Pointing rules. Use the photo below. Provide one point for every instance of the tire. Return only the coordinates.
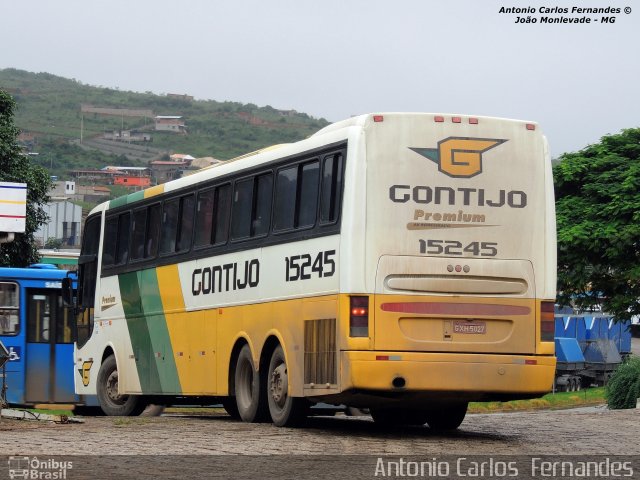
(250, 400)
(447, 417)
(111, 402)
(398, 416)
(230, 406)
(285, 411)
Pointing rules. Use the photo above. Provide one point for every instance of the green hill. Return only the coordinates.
(49, 115)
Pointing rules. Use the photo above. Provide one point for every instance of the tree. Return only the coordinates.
(598, 219)
(15, 167)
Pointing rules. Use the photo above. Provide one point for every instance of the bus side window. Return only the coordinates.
(110, 241)
(331, 191)
(222, 214)
(261, 216)
(124, 231)
(185, 231)
(241, 210)
(204, 218)
(170, 212)
(285, 206)
(153, 231)
(139, 231)
(308, 196)
(9, 304)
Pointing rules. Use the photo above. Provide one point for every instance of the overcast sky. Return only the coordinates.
(337, 58)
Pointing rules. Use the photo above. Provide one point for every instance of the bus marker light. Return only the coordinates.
(449, 268)
(456, 119)
(359, 316)
(391, 358)
(531, 126)
(458, 268)
(466, 269)
(378, 118)
(530, 362)
(473, 121)
(438, 119)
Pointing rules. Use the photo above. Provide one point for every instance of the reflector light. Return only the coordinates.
(473, 121)
(458, 268)
(530, 362)
(382, 357)
(359, 316)
(547, 321)
(438, 118)
(531, 126)
(449, 268)
(456, 119)
(378, 118)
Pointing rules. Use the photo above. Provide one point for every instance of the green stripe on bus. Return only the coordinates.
(139, 333)
(158, 331)
(126, 199)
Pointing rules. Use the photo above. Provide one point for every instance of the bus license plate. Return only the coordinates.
(470, 327)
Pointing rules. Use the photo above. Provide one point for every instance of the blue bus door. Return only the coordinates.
(49, 348)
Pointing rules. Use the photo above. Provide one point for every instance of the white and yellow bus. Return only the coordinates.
(404, 263)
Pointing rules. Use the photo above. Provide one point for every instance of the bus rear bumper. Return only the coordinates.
(482, 374)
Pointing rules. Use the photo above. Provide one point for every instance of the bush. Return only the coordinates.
(623, 389)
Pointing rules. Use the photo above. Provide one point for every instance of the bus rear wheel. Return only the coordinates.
(248, 389)
(447, 417)
(285, 411)
(111, 402)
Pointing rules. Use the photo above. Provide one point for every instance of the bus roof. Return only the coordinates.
(34, 272)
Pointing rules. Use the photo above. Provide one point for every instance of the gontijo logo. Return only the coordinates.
(459, 156)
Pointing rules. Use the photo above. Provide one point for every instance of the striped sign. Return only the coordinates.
(13, 206)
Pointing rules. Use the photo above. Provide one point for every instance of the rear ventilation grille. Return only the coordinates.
(320, 352)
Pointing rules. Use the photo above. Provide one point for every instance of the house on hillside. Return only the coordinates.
(170, 123)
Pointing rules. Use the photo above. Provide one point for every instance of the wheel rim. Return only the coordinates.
(278, 385)
(112, 390)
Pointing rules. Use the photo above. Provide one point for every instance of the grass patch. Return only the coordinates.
(586, 397)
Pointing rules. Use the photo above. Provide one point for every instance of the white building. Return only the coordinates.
(64, 223)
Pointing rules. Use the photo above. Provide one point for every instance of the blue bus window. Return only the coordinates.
(39, 318)
(9, 309)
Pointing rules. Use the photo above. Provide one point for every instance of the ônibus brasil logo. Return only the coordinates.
(459, 156)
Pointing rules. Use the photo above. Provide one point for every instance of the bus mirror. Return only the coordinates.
(67, 292)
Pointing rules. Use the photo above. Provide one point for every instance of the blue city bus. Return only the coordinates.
(38, 331)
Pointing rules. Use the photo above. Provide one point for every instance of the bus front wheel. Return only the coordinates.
(285, 411)
(111, 402)
(249, 398)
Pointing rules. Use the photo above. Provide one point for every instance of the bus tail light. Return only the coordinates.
(547, 321)
(359, 316)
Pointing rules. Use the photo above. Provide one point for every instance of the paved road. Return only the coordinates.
(576, 432)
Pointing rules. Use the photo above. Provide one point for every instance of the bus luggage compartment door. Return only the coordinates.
(466, 305)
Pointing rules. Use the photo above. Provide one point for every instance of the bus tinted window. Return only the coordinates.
(88, 269)
(242, 203)
(331, 191)
(124, 231)
(153, 231)
(169, 225)
(261, 220)
(139, 232)
(204, 218)
(308, 198)
(110, 241)
(223, 211)
(9, 319)
(186, 223)
(285, 204)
